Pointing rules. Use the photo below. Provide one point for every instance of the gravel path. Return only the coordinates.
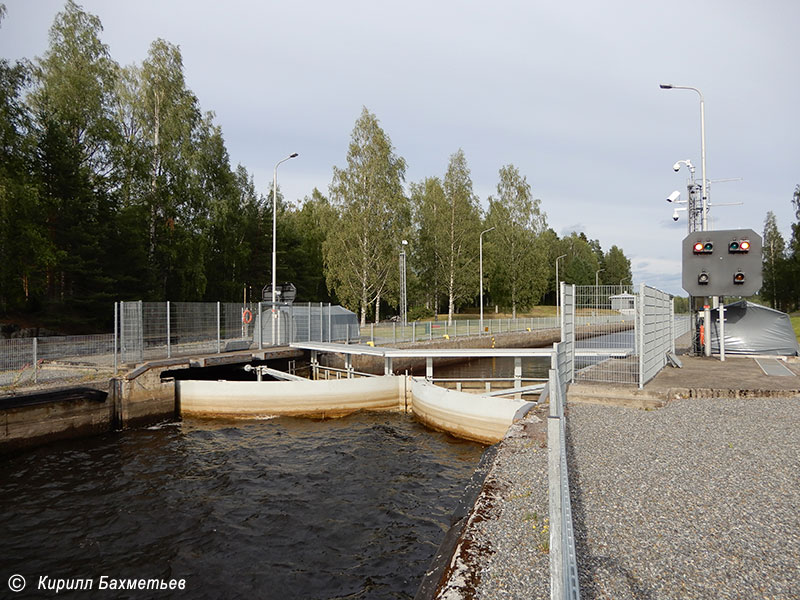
(700, 499)
(503, 551)
(518, 565)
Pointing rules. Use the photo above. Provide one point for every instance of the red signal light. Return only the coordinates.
(703, 247)
(739, 246)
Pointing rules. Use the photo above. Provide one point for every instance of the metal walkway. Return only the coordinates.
(388, 353)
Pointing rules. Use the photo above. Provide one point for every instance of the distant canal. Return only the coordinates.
(281, 508)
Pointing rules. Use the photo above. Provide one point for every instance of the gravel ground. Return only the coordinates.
(700, 499)
(503, 552)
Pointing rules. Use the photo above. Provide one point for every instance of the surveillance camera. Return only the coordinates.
(676, 166)
(675, 216)
(673, 197)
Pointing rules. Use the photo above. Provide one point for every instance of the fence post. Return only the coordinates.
(321, 327)
(219, 339)
(169, 334)
(672, 324)
(116, 334)
(121, 326)
(35, 359)
(309, 321)
(260, 329)
(330, 323)
(640, 314)
(394, 332)
(414, 331)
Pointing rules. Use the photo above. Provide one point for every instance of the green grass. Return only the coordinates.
(474, 313)
(796, 324)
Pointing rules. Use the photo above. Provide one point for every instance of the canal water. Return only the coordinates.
(279, 508)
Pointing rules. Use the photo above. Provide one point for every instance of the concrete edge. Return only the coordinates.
(699, 393)
(440, 564)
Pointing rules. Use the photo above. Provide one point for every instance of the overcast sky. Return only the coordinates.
(566, 91)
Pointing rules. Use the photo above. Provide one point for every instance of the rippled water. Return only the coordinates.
(282, 508)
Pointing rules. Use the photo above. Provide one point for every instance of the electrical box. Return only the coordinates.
(726, 262)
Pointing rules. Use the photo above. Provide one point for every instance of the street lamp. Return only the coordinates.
(596, 279)
(669, 86)
(274, 247)
(558, 285)
(481, 268)
(597, 289)
(403, 297)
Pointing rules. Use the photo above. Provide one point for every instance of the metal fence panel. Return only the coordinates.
(131, 332)
(568, 299)
(31, 361)
(17, 362)
(564, 583)
(606, 325)
(656, 332)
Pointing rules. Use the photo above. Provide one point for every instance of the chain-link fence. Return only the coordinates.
(153, 330)
(396, 332)
(26, 362)
(603, 320)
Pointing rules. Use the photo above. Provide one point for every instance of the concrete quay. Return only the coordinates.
(688, 488)
(135, 398)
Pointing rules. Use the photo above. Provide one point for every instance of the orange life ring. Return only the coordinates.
(247, 316)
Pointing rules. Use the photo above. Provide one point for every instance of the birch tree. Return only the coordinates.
(462, 222)
(515, 247)
(371, 217)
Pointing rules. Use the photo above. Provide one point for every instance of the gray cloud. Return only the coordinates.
(568, 92)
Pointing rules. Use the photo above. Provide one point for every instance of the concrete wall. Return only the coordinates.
(31, 424)
(138, 398)
(141, 398)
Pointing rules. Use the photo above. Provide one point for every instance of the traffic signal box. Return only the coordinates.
(722, 263)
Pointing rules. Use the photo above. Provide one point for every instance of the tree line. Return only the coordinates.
(116, 185)
(781, 262)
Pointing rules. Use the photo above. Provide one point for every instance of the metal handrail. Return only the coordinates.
(564, 584)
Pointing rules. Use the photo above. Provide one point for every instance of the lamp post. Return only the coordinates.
(481, 269)
(558, 286)
(597, 289)
(596, 277)
(704, 216)
(669, 86)
(403, 297)
(274, 247)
